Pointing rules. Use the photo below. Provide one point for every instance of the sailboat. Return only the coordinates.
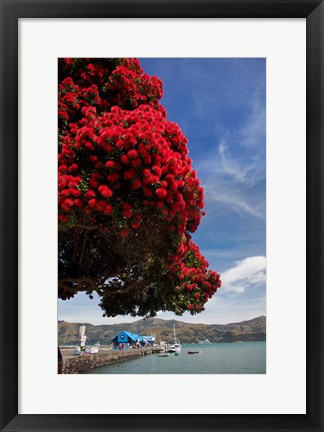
(176, 346)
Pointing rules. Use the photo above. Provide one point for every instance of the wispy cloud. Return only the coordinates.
(231, 166)
(253, 132)
(234, 171)
(233, 200)
(247, 273)
(243, 171)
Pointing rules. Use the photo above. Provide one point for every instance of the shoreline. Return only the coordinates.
(73, 364)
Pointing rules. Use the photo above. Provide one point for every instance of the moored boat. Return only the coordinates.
(204, 342)
(164, 354)
(176, 346)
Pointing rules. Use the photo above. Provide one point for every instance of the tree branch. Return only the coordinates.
(75, 284)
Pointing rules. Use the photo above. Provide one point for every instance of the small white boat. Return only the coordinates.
(204, 342)
(164, 354)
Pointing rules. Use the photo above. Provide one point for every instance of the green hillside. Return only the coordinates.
(252, 330)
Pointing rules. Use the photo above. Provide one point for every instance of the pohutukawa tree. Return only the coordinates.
(128, 196)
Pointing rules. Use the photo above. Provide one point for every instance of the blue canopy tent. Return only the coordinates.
(126, 340)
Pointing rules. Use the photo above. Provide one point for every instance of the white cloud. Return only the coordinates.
(248, 272)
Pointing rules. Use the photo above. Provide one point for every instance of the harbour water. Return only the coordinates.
(221, 358)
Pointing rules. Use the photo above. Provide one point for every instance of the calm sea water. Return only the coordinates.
(223, 358)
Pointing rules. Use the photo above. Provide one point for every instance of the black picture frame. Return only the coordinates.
(11, 11)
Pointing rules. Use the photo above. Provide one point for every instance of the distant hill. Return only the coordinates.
(251, 330)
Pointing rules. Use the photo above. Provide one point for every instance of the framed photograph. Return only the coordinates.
(163, 117)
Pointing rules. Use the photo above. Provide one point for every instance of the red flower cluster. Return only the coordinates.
(121, 159)
(196, 284)
(136, 153)
(132, 89)
(91, 83)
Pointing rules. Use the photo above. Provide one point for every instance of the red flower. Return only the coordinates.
(90, 194)
(161, 193)
(126, 206)
(136, 184)
(108, 209)
(69, 202)
(130, 174)
(66, 192)
(75, 192)
(73, 167)
(105, 191)
(92, 203)
(93, 158)
(111, 164)
(135, 163)
(93, 183)
(63, 218)
(127, 214)
(78, 203)
(124, 159)
(157, 170)
(132, 154)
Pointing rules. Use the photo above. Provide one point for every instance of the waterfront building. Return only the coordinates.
(126, 340)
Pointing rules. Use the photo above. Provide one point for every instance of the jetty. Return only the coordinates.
(75, 364)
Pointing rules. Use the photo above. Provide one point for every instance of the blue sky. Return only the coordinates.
(220, 105)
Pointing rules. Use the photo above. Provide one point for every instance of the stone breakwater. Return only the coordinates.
(84, 362)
